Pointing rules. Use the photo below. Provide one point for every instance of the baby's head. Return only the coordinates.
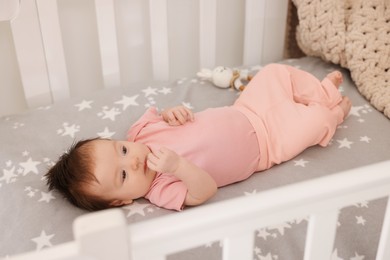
(98, 173)
(72, 173)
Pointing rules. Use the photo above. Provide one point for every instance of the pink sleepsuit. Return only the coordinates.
(281, 112)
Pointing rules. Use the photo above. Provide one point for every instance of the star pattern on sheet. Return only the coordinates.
(300, 162)
(109, 113)
(68, 130)
(345, 143)
(136, 208)
(43, 240)
(150, 91)
(9, 175)
(127, 101)
(29, 166)
(105, 133)
(84, 105)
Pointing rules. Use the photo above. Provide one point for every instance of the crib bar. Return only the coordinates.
(105, 16)
(207, 33)
(30, 55)
(254, 31)
(54, 50)
(106, 229)
(159, 38)
(320, 235)
(383, 252)
(274, 31)
(325, 195)
(238, 246)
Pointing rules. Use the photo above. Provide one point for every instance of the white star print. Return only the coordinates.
(110, 114)
(43, 240)
(106, 133)
(357, 257)
(84, 105)
(127, 101)
(281, 227)
(263, 233)
(257, 250)
(187, 105)
(136, 208)
(8, 175)
(355, 110)
(149, 91)
(300, 162)
(335, 256)
(345, 143)
(165, 90)
(363, 204)
(69, 130)
(29, 166)
(250, 193)
(360, 220)
(365, 139)
(46, 196)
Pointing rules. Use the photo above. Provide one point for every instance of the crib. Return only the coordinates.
(76, 68)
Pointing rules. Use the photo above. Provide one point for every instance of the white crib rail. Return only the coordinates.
(42, 60)
(233, 221)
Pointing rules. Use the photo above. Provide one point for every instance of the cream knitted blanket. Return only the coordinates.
(354, 34)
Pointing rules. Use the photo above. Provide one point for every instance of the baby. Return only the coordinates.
(179, 158)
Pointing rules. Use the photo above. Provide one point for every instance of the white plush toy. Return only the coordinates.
(224, 77)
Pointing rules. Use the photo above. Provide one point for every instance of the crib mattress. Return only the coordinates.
(32, 218)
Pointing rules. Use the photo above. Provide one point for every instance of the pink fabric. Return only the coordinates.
(220, 140)
(290, 110)
(281, 112)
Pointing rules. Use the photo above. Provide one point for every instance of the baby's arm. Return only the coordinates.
(177, 115)
(199, 183)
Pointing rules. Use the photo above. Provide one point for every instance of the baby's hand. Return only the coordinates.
(163, 160)
(177, 115)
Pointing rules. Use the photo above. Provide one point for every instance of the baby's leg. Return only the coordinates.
(308, 89)
(294, 127)
(336, 78)
(345, 106)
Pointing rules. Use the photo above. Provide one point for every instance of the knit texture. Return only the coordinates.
(354, 34)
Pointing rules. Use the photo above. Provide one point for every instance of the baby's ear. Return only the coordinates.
(118, 203)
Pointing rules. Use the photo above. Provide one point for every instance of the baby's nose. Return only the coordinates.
(134, 163)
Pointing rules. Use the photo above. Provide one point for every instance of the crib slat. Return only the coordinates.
(207, 33)
(105, 18)
(30, 55)
(54, 51)
(254, 31)
(320, 235)
(384, 242)
(238, 247)
(105, 228)
(159, 38)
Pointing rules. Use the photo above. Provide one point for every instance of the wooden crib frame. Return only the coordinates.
(105, 235)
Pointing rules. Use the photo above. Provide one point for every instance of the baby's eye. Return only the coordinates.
(124, 175)
(124, 150)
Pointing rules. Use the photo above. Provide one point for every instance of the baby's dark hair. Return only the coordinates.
(72, 173)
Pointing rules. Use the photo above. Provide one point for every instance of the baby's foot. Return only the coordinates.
(345, 104)
(336, 77)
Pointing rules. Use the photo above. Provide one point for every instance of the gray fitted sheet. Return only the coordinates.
(33, 218)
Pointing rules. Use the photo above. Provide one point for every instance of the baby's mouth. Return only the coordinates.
(145, 166)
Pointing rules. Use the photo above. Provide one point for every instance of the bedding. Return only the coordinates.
(32, 218)
(354, 34)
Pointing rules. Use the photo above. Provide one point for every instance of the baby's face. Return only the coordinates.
(121, 170)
